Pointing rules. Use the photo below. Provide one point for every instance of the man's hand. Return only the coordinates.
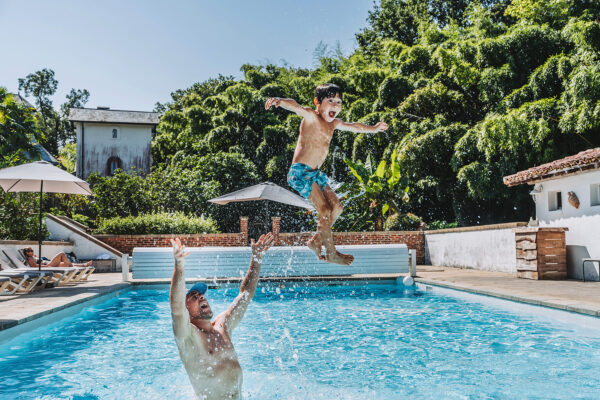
(381, 126)
(179, 251)
(273, 101)
(260, 248)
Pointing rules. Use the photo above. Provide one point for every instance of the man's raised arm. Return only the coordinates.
(179, 312)
(237, 309)
(290, 105)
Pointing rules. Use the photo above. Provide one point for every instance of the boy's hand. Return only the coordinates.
(381, 126)
(273, 101)
(260, 248)
(179, 251)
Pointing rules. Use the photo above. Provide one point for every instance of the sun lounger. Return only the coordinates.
(4, 284)
(50, 277)
(10, 286)
(60, 276)
(26, 283)
(81, 274)
(66, 274)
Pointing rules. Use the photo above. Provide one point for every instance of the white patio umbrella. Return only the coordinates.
(41, 176)
(264, 191)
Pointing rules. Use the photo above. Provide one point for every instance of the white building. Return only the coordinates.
(110, 139)
(567, 194)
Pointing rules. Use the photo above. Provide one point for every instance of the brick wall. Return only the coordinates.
(412, 239)
(126, 243)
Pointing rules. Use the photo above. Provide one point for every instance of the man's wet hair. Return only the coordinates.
(327, 90)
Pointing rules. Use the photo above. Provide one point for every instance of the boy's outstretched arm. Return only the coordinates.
(360, 128)
(290, 105)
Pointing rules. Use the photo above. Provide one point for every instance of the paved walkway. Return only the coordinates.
(575, 296)
(18, 309)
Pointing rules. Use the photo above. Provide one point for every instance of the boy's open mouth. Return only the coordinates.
(332, 114)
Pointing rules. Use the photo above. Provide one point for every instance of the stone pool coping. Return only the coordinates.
(573, 296)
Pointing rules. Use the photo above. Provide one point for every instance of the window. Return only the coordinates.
(554, 201)
(115, 133)
(112, 164)
(595, 194)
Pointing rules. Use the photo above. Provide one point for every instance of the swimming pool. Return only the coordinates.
(342, 342)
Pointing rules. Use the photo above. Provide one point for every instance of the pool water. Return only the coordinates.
(344, 342)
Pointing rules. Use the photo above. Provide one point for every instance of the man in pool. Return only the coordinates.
(316, 131)
(205, 346)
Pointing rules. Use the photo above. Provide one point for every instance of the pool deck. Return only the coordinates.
(574, 296)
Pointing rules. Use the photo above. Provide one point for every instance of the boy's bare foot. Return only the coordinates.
(339, 258)
(315, 245)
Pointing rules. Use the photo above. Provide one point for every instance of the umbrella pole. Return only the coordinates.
(267, 218)
(40, 230)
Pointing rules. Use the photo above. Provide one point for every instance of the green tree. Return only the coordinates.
(17, 126)
(53, 128)
(374, 192)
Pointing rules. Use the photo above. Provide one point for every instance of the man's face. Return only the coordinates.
(330, 107)
(198, 306)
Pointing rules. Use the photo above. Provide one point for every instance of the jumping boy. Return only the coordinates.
(316, 131)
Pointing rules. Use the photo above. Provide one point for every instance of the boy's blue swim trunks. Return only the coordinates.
(301, 177)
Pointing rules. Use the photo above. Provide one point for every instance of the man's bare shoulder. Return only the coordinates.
(220, 320)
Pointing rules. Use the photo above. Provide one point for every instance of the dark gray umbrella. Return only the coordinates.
(43, 177)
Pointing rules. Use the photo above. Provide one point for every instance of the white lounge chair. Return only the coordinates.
(24, 283)
(60, 276)
(82, 273)
(5, 282)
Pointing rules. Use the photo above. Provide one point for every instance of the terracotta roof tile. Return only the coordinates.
(588, 159)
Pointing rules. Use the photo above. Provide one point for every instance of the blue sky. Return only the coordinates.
(130, 55)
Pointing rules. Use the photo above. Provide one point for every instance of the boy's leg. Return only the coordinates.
(334, 203)
(322, 206)
(317, 198)
(315, 243)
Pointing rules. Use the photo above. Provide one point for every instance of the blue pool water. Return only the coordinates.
(348, 342)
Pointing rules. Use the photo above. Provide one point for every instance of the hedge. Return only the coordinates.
(159, 223)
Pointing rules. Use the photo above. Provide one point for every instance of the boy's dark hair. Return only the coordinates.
(327, 90)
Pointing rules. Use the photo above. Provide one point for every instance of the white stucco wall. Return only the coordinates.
(583, 236)
(132, 147)
(488, 250)
(580, 184)
(83, 248)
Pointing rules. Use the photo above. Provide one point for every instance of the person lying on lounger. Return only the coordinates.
(60, 260)
(205, 346)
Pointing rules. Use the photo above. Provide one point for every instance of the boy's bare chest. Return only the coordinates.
(317, 132)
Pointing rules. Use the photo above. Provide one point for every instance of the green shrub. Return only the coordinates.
(159, 223)
(19, 218)
(434, 225)
(402, 222)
